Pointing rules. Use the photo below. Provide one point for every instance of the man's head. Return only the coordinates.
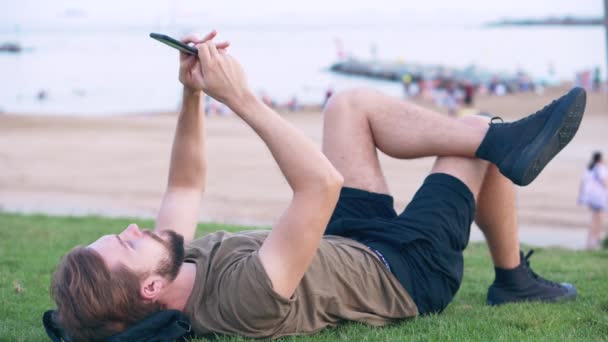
(116, 281)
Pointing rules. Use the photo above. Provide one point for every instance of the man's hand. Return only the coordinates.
(222, 76)
(190, 72)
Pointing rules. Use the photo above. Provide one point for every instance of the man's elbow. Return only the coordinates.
(330, 183)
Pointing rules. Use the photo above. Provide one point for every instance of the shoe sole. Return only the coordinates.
(559, 130)
(565, 298)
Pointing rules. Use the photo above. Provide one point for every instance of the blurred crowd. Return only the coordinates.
(457, 94)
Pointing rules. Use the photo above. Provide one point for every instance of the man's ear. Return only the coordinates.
(152, 287)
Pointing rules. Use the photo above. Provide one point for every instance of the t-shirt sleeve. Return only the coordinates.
(247, 301)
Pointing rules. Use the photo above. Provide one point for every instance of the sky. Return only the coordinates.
(118, 13)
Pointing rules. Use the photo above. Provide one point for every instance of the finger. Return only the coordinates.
(188, 39)
(204, 54)
(195, 38)
(222, 45)
(209, 36)
(186, 57)
(191, 38)
(212, 50)
(187, 60)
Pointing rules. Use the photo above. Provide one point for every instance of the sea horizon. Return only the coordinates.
(121, 70)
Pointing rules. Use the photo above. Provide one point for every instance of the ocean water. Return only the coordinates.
(103, 73)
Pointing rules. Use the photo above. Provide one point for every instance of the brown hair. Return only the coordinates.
(94, 303)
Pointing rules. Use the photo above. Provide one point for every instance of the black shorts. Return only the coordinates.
(423, 245)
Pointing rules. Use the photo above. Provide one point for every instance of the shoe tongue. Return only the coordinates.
(522, 275)
(521, 272)
(513, 275)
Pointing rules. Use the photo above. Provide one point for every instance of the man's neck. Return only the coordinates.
(177, 294)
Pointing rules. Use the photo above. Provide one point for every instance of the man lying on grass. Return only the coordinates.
(339, 252)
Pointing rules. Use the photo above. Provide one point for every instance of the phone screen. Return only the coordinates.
(174, 43)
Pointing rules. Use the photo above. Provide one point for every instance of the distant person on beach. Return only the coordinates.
(293, 105)
(267, 100)
(450, 98)
(42, 95)
(339, 252)
(583, 79)
(467, 108)
(593, 193)
(406, 81)
(597, 80)
(469, 93)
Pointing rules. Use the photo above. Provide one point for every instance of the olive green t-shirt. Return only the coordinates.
(233, 295)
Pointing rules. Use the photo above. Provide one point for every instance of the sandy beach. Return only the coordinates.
(117, 166)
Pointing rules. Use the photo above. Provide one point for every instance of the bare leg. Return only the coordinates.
(600, 227)
(497, 218)
(496, 214)
(470, 171)
(595, 231)
(359, 121)
(495, 198)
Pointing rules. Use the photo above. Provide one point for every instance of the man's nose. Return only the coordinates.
(133, 231)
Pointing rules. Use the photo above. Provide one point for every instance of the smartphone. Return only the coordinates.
(174, 43)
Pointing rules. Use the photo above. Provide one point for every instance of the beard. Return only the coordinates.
(170, 266)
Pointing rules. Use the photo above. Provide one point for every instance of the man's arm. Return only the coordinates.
(179, 208)
(291, 245)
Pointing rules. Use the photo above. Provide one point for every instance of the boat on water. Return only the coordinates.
(11, 47)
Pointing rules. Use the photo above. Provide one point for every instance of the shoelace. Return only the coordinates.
(534, 275)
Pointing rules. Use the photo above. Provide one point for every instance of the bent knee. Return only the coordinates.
(350, 100)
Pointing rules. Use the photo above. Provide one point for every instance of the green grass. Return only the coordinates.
(31, 245)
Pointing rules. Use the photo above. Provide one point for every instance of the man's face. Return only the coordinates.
(142, 251)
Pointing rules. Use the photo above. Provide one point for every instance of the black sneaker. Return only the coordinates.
(522, 284)
(522, 149)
